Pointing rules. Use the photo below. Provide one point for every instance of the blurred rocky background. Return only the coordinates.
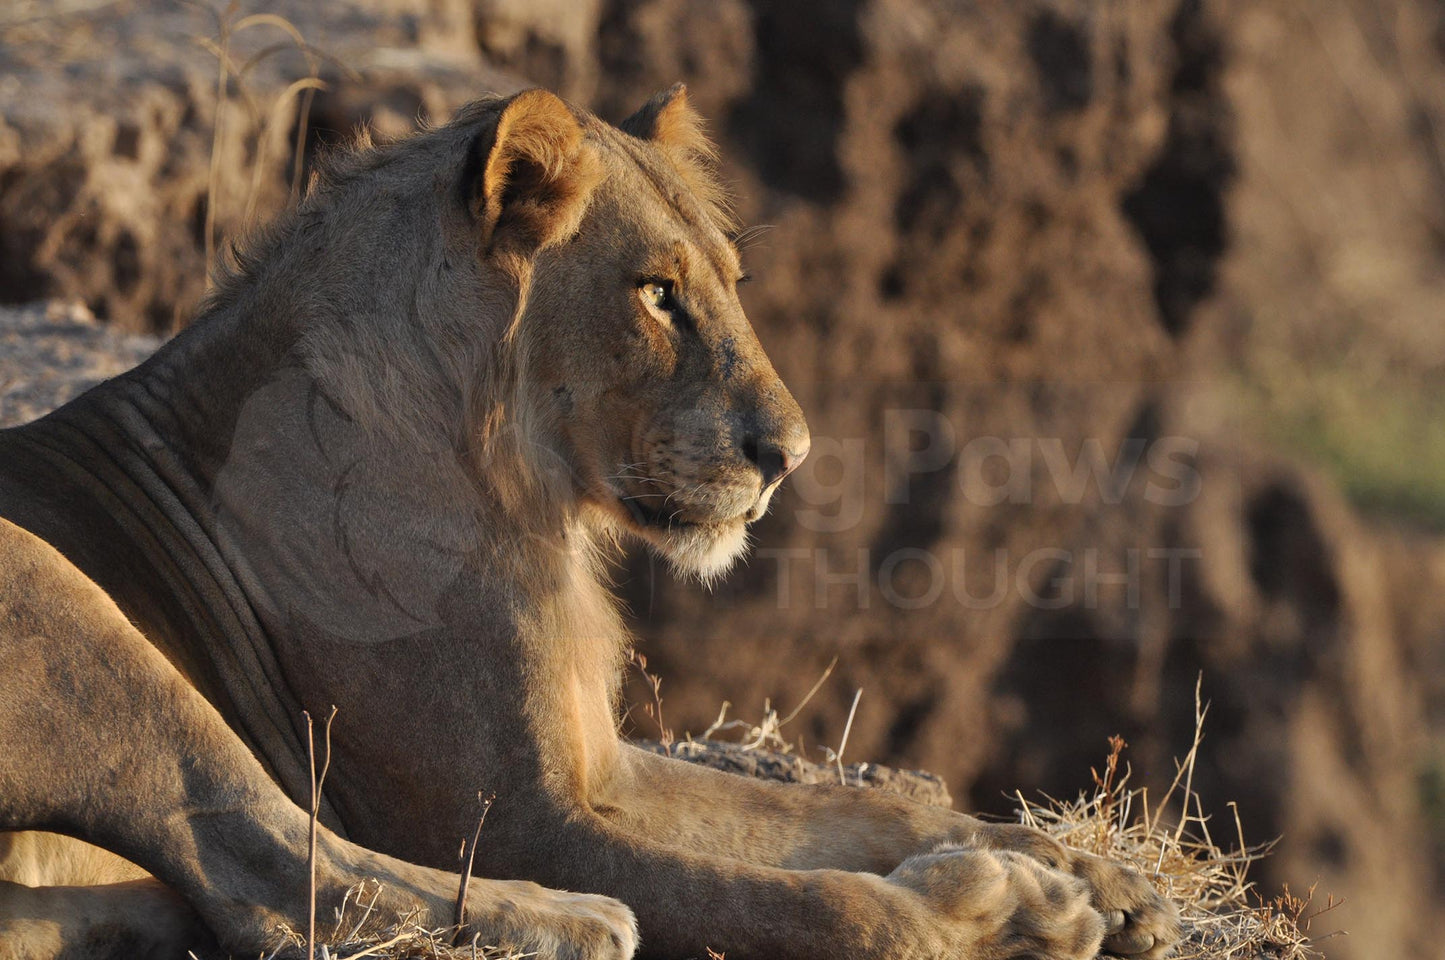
(1120, 326)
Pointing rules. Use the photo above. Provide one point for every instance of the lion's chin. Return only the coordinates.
(703, 550)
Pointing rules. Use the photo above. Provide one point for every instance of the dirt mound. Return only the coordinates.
(1016, 257)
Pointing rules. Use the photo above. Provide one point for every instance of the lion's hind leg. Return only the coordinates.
(102, 738)
(64, 899)
(36, 858)
(130, 920)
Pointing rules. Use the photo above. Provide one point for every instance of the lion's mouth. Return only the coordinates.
(665, 517)
(654, 517)
(703, 545)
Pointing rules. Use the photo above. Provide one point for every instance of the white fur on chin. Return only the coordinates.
(704, 552)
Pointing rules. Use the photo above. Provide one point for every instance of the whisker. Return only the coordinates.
(749, 235)
(623, 476)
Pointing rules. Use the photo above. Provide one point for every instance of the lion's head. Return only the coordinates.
(565, 290)
(636, 361)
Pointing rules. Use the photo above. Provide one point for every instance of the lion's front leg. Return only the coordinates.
(775, 824)
(837, 827)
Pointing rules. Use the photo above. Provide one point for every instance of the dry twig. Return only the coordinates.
(469, 857)
(317, 782)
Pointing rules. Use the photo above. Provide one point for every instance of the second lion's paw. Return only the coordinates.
(1139, 923)
(1002, 905)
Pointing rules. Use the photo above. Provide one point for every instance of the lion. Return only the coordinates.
(385, 469)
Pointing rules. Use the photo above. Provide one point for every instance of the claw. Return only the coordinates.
(1129, 942)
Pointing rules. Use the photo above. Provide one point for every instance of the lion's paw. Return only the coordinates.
(513, 915)
(557, 925)
(1139, 923)
(1000, 905)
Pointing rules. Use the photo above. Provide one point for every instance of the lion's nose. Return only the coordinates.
(773, 460)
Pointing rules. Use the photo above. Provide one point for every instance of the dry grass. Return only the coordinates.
(767, 733)
(356, 932)
(1171, 841)
(266, 123)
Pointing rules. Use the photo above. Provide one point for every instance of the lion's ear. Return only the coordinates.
(670, 121)
(531, 176)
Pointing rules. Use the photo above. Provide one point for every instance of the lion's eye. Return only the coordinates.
(657, 294)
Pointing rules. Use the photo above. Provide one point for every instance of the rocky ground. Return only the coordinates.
(1005, 241)
(52, 352)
